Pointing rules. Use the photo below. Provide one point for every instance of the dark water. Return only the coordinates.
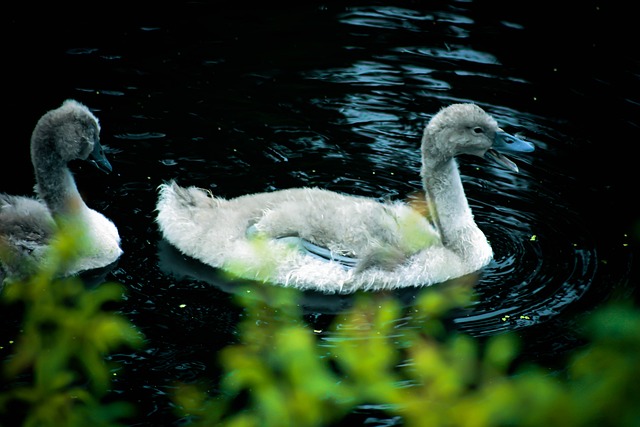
(242, 100)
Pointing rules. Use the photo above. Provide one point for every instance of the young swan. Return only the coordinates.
(310, 238)
(28, 224)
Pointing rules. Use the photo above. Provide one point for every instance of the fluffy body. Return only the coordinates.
(29, 223)
(259, 236)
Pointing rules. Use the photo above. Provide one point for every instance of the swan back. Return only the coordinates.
(316, 239)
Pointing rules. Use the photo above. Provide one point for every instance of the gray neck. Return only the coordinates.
(446, 198)
(54, 182)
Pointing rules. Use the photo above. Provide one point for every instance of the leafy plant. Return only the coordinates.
(282, 373)
(401, 360)
(57, 372)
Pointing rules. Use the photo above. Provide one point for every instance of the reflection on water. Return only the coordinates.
(262, 100)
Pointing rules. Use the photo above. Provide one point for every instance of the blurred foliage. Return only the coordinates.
(57, 374)
(404, 362)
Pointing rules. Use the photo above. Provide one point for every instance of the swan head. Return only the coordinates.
(468, 129)
(70, 132)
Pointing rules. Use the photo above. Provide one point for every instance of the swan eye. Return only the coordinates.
(477, 130)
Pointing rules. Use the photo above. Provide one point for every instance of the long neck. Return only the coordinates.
(447, 200)
(54, 182)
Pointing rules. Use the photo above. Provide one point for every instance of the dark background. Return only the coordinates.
(140, 66)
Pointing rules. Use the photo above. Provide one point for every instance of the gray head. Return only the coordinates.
(68, 133)
(468, 129)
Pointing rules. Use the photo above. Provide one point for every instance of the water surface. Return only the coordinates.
(243, 101)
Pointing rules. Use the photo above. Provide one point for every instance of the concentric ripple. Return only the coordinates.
(544, 259)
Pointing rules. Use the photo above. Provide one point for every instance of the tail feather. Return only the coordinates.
(180, 211)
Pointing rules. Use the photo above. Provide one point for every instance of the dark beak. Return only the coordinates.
(98, 158)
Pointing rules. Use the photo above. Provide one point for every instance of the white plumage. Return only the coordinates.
(28, 224)
(310, 238)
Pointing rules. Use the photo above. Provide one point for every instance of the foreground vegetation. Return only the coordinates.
(58, 374)
(419, 373)
(400, 360)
